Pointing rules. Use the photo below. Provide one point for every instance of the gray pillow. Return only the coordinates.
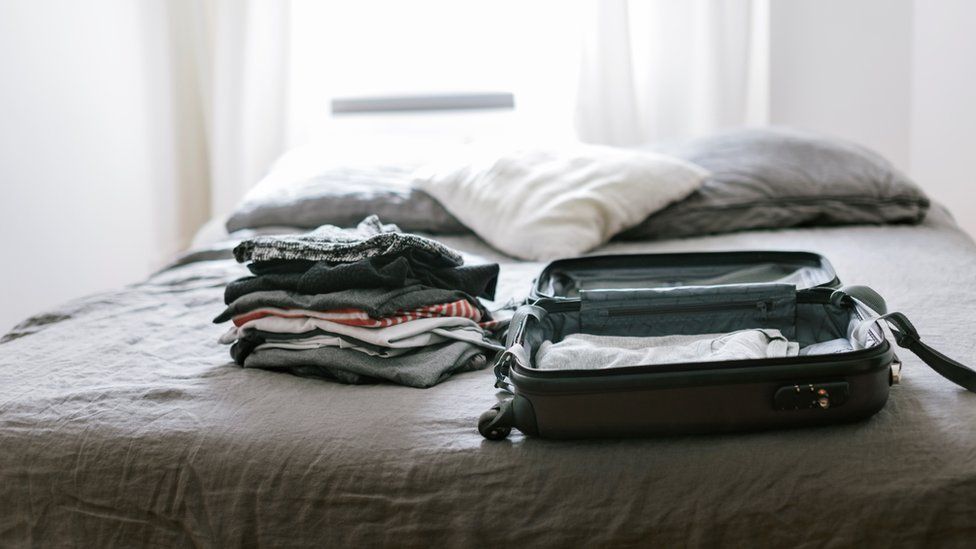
(769, 178)
(343, 195)
(343, 179)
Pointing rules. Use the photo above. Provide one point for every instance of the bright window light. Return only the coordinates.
(382, 48)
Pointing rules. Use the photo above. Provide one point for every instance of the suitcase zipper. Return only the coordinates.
(690, 367)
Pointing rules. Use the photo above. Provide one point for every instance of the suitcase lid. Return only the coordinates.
(566, 278)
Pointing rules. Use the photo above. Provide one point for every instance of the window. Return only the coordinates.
(377, 48)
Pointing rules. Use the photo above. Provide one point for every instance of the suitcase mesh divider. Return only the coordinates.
(689, 310)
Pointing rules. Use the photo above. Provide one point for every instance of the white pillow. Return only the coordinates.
(544, 204)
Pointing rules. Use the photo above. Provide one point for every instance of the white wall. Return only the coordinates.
(842, 67)
(75, 152)
(896, 75)
(87, 139)
(943, 118)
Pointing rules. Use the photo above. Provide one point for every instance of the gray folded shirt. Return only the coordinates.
(422, 368)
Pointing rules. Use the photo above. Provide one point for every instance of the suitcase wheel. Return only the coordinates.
(491, 424)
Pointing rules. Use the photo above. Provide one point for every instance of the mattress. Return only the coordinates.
(123, 423)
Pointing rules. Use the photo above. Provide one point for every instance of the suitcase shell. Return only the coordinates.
(697, 397)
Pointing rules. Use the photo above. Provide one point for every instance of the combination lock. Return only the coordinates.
(817, 396)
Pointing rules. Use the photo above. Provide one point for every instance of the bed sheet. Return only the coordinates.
(123, 423)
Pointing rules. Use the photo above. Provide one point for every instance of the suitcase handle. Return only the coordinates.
(519, 320)
(906, 336)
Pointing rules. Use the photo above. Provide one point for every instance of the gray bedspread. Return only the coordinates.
(123, 423)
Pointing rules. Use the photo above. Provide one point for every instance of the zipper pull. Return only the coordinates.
(764, 307)
(503, 365)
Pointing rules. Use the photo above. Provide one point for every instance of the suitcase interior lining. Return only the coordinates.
(807, 323)
(570, 277)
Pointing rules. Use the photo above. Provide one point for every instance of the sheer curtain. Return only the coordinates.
(250, 78)
(658, 69)
(229, 62)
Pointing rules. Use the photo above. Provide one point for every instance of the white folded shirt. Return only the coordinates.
(318, 341)
(586, 351)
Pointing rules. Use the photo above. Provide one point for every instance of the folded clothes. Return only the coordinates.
(328, 340)
(375, 272)
(359, 305)
(370, 238)
(244, 343)
(258, 339)
(356, 317)
(247, 343)
(423, 367)
(586, 351)
(416, 333)
(376, 302)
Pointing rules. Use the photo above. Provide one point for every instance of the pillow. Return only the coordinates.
(547, 203)
(768, 178)
(341, 185)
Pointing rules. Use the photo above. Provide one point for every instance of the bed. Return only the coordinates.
(123, 423)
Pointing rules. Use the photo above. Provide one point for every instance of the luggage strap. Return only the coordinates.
(906, 336)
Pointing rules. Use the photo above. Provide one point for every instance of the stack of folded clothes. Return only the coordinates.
(360, 305)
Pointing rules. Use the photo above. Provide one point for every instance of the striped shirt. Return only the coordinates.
(356, 317)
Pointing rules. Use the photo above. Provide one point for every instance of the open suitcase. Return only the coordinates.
(797, 293)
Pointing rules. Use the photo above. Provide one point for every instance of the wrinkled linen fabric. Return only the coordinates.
(588, 351)
(376, 302)
(371, 238)
(374, 272)
(123, 424)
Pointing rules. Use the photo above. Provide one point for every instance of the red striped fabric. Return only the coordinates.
(356, 317)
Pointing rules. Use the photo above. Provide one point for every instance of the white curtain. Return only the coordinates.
(228, 65)
(246, 78)
(659, 69)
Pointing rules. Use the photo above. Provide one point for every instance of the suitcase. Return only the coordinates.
(701, 293)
